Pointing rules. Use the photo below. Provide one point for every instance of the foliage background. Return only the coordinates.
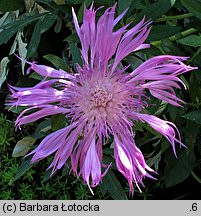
(42, 31)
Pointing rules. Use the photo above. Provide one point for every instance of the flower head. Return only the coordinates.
(102, 100)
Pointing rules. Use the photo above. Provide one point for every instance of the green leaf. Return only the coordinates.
(71, 2)
(72, 38)
(193, 6)
(159, 32)
(23, 146)
(11, 28)
(58, 25)
(47, 21)
(194, 116)
(133, 61)
(177, 170)
(191, 40)
(47, 175)
(44, 1)
(22, 49)
(155, 10)
(191, 135)
(57, 62)
(59, 2)
(76, 55)
(3, 69)
(123, 5)
(11, 5)
(25, 165)
(58, 121)
(35, 40)
(112, 185)
(42, 129)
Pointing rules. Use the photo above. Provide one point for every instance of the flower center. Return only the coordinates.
(100, 96)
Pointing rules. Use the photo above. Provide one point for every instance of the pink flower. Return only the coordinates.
(102, 100)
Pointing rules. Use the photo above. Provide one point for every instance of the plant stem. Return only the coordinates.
(182, 16)
(196, 177)
(175, 37)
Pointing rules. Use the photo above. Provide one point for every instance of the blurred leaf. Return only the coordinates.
(7, 18)
(59, 2)
(47, 21)
(177, 170)
(25, 165)
(191, 40)
(80, 13)
(194, 116)
(23, 146)
(22, 49)
(36, 76)
(3, 69)
(191, 135)
(57, 62)
(155, 10)
(193, 6)
(112, 185)
(58, 121)
(71, 2)
(11, 5)
(42, 128)
(72, 38)
(76, 55)
(11, 28)
(123, 5)
(162, 31)
(43, 1)
(133, 61)
(35, 40)
(58, 25)
(4, 63)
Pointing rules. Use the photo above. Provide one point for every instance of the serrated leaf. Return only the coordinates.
(193, 6)
(11, 5)
(111, 183)
(193, 116)
(25, 165)
(23, 146)
(57, 62)
(177, 170)
(191, 40)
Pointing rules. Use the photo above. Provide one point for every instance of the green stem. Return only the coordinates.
(175, 37)
(182, 16)
(196, 177)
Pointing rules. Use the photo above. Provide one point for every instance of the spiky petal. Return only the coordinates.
(102, 100)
